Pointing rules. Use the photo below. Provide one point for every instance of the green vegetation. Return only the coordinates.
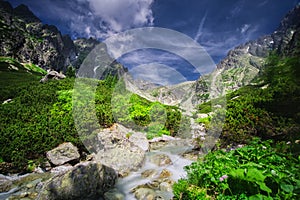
(261, 170)
(40, 116)
(269, 108)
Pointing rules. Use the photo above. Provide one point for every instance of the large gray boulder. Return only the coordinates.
(62, 154)
(88, 180)
(118, 152)
(140, 140)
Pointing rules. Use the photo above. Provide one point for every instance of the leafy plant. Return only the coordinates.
(254, 171)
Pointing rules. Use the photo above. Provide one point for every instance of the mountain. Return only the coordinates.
(26, 39)
(245, 61)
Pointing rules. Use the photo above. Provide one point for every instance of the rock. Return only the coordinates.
(52, 75)
(7, 101)
(140, 140)
(157, 145)
(32, 184)
(88, 180)
(62, 154)
(163, 138)
(149, 173)
(5, 183)
(161, 160)
(118, 152)
(113, 194)
(165, 186)
(61, 169)
(38, 170)
(165, 174)
(123, 159)
(202, 115)
(144, 194)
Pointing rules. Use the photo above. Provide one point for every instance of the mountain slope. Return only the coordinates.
(243, 63)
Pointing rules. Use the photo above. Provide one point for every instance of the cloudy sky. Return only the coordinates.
(216, 25)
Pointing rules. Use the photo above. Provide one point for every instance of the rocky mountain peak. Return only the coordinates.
(291, 20)
(5, 6)
(244, 62)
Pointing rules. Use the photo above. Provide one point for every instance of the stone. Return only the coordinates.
(144, 194)
(161, 160)
(88, 180)
(165, 186)
(165, 174)
(62, 154)
(61, 169)
(114, 194)
(202, 115)
(140, 140)
(149, 173)
(5, 183)
(52, 75)
(118, 152)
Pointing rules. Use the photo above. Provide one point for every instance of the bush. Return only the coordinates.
(254, 171)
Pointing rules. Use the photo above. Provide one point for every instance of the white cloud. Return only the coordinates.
(200, 29)
(245, 28)
(157, 73)
(119, 15)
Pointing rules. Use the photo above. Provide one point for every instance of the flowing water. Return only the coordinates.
(173, 150)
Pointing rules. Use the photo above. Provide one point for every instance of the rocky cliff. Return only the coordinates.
(243, 63)
(25, 38)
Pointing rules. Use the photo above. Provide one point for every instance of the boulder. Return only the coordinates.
(61, 169)
(161, 160)
(88, 180)
(149, 173)
(62, 154)
(114, 194)
(52, 75)
(140, 140)
(144, 193)
(5, 183)
(118, 152)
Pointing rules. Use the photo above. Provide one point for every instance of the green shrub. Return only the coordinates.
(256, 170)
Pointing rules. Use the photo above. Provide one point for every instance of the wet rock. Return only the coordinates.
(140, 140)
(165, 186)
(61, 169)
(144, 194)
(163, 138)
(161, 160)
(114, 194)
(157, 145)
(62, 154)
(149, 173)
(5, 183)
(87, 180)
(165, 174)
(33, 183)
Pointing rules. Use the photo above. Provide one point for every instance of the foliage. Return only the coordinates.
(270, 108)
(140, 114)
(256, 171)
(71, 72)
(205, 120)
(40, 116)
